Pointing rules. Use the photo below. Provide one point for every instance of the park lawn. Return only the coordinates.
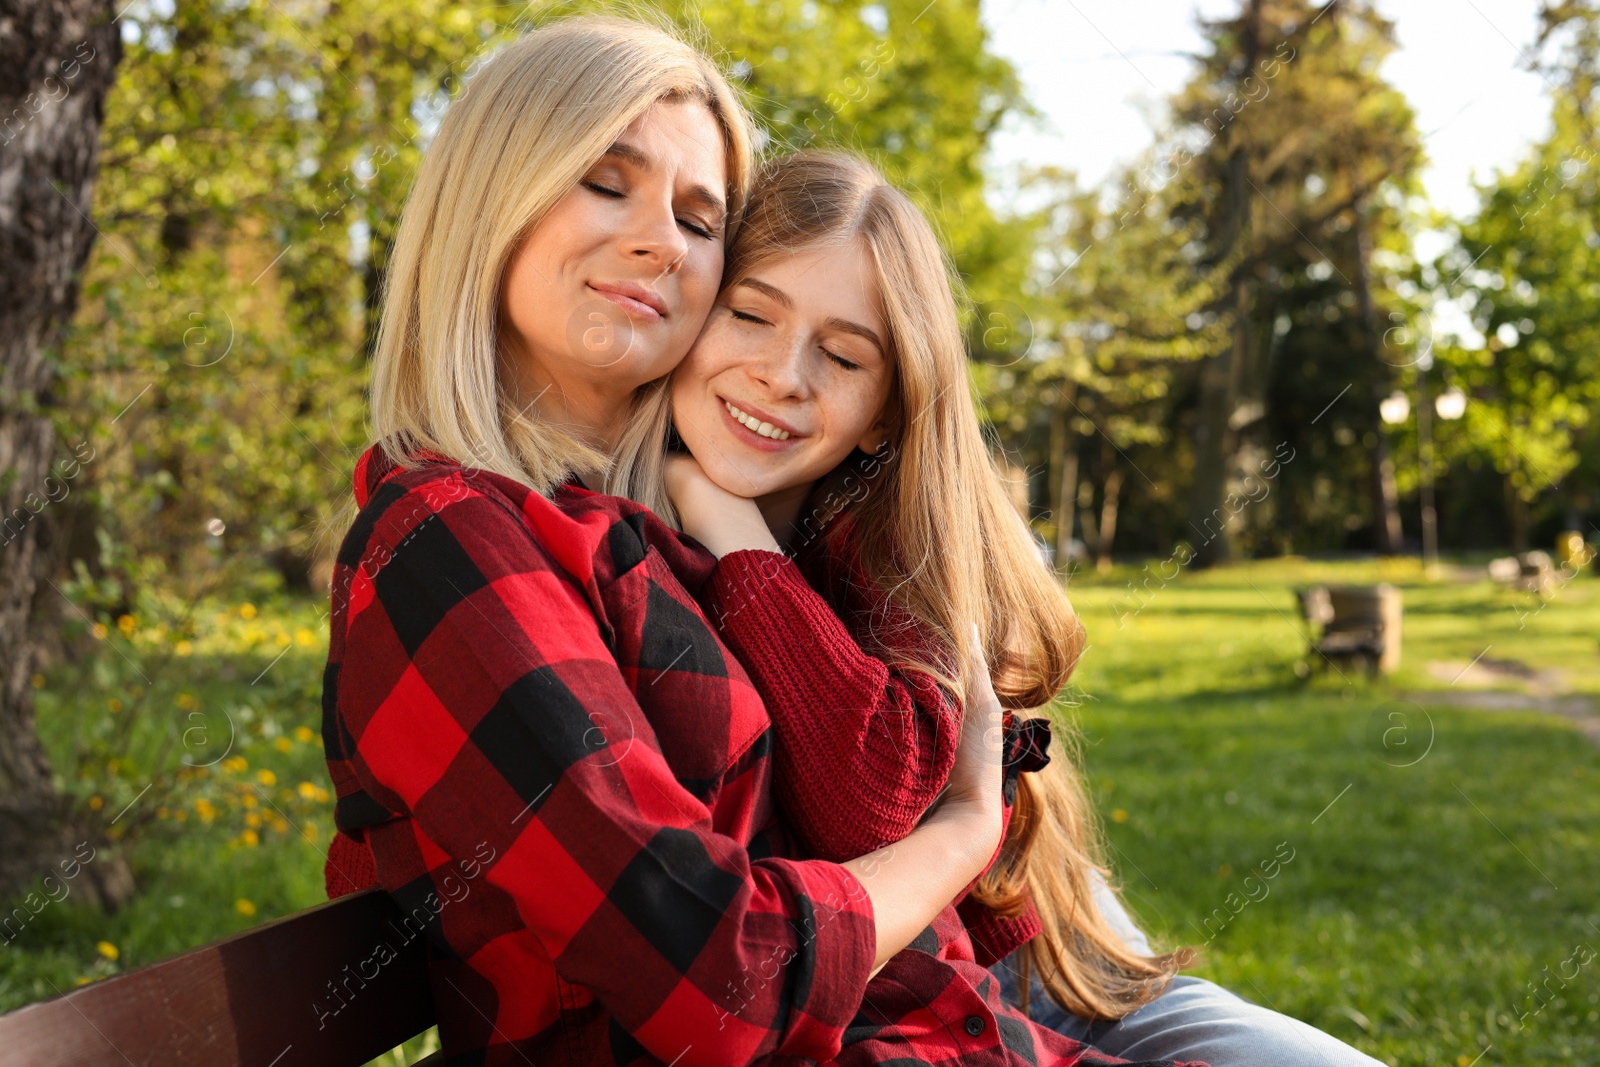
(1406, 922)
(1429, 884)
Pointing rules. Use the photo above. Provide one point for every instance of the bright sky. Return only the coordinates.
(1100, 71)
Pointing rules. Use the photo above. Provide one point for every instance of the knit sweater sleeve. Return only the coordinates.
(862, 747)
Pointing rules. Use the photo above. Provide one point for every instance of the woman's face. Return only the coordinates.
(611, 287)
(791, 373)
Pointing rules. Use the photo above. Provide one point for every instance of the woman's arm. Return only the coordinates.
(940, 859)
(864, 748)
(477, 693)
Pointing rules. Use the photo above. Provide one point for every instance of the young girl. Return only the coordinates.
(826, 403)
(827, 409)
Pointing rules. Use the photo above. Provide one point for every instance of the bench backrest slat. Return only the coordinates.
(257, 999)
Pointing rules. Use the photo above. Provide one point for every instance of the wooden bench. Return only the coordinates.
(1350, 623)
(1531, 572)
(263, 998)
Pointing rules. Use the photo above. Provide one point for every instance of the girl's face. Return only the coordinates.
(791, 373)
(610, 289)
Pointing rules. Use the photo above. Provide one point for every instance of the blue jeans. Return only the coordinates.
(1192, 1020)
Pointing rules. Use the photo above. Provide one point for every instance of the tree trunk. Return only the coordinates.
(1217, 439)
(1091, 529)
(57, 62)
(1064, 452)
(1110, 494)
(1385, 494)
(1517, 513)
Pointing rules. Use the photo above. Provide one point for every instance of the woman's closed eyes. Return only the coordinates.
(701, 230)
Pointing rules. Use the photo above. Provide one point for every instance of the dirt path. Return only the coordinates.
(1542, 691)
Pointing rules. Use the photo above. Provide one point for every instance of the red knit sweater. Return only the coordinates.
(863, 748)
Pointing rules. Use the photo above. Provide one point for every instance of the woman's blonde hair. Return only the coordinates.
(935, 533)
(525, 129)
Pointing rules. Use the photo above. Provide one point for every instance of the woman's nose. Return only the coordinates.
(655, 238)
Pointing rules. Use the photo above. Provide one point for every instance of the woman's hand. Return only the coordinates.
(722, 521)
(975, 779)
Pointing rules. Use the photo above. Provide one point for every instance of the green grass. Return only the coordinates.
(1407, 923)
(1442, 878)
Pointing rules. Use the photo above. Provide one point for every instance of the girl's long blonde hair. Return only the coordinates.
(937, 535)
(525, 129)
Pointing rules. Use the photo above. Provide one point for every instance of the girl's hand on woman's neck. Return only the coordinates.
(723, 522)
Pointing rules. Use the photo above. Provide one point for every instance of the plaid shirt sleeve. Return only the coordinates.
(478, 691)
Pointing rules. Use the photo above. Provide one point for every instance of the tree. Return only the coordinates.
(1294, 140)
(1526, 267)
(59, 58)
(1125, 307)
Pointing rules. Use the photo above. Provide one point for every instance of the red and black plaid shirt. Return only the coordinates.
(564, 778)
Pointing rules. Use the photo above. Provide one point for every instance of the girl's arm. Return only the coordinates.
(475, 694)
(864, 748)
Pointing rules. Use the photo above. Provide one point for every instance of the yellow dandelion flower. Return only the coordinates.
(306, 790)
(304, 735)
(322, 795)
(249, 800)
(247, 611)
(1119, 815)
(83, 980)
(250, 838)
(283, 744)
(99, 630)
(187, 702)
(311, 831)
(266, 777)
(126, 624)
(96, 803)
(114, 704)
(244, 907)
(281, 638)
(280, 824)
(38, 681)
(235, 764)
(205, 809)
(107, 949)
(182, 815)
(251, 819)
(183, 648)
(304, 638)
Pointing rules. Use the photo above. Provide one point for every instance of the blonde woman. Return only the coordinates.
(827, 409)
(557, 769)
